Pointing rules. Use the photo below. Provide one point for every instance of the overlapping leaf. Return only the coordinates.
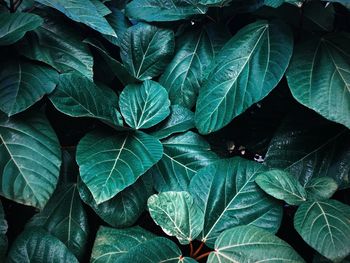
(119, 23)
(321, 188)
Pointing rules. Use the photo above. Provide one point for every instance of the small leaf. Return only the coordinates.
(177, 214)
(142, 52)
(144, 105)
(105, 159)
(282, 185)
(30, 159)
(324, 225)
(36, 245)
(14, 26)
(252, 244)
(321, 188)
(3, 230)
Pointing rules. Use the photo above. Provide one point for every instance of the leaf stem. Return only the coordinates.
(191, 249)
(198, 249)
(203, 255)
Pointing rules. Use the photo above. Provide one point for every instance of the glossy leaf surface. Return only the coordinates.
(321, 188)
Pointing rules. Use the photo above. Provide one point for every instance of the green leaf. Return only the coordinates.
(142, 52)
(119, 23)
(36, 245)
(324, 225)
(14, 26)
(227, 193)
(111, 244)
(144, 105)
(124, 209)
(318, 17)
(30, 159)
(177, 214)
(179, 120)
(274, 3)
(100, 7)
(283, 186)
(321, 188)
(343, 2)
(57, 44)
(165, 10)
(247, 68)
(77, 96)
(65, 218)
(184, 154)
(185, 73)
(23, 83)
(104, 157)
(3, 230)
(319, 78)
(252, 244)
(81, 11)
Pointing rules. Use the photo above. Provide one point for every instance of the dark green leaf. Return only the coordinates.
(119, 23)
(142, 52)
(321, 188)
(318, 17)
(3, 230)
(30, 159)
(144, 105)
(24, 83)
(14, 26)
(247, 68)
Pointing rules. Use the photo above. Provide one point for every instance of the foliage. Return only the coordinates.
(174, 131)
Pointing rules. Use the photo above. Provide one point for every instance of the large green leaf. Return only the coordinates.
(324, 225)
(177, 214)
(282, 185)
(24, 83)
(14, 26)
(111, 244)
(56, 43)
(3, 230)
(65, 218)
(164, 10)
(77, 96)
(146, 49)
(124, 209)
(319, 76)
(252, 244)
(30, 159)
(109, 161)
(195, 51)
(179, 120)
(37, 245)
(184, 154)
(228, 195)
(247, 68)
(300, 148)
(81, 11)
(321, 188)
(144, 105)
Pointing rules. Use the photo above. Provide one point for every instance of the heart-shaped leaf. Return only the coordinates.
(324, 225)
(247, 68)
(105, 159)
(177, 214)
(3, 230)
(321, 188)
(30, 159)
(144, 105)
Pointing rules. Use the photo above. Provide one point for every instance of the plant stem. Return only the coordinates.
(203, 255)
(191, 249)
(198, 249)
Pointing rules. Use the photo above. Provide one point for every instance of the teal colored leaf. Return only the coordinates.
(144, 105)
(65, 218)
(111, 244)
(227, 194)
(247, 68)
(30, 159)
(185, 73)
(274, 3)
(81, 11)
(319, 76)
(283, 186)
(3, 230)
(77, 96)
(184, 154)
(105, 159)
(125, 208)
(324, 225)
(252, 244)
(37, 245)
(177, 214)
(321, 188)
(57, 44)
(119, 23)
(165, 10)
(100, 7)
(15, 25)
(179, 120)
(142, 52)
(23, 83)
